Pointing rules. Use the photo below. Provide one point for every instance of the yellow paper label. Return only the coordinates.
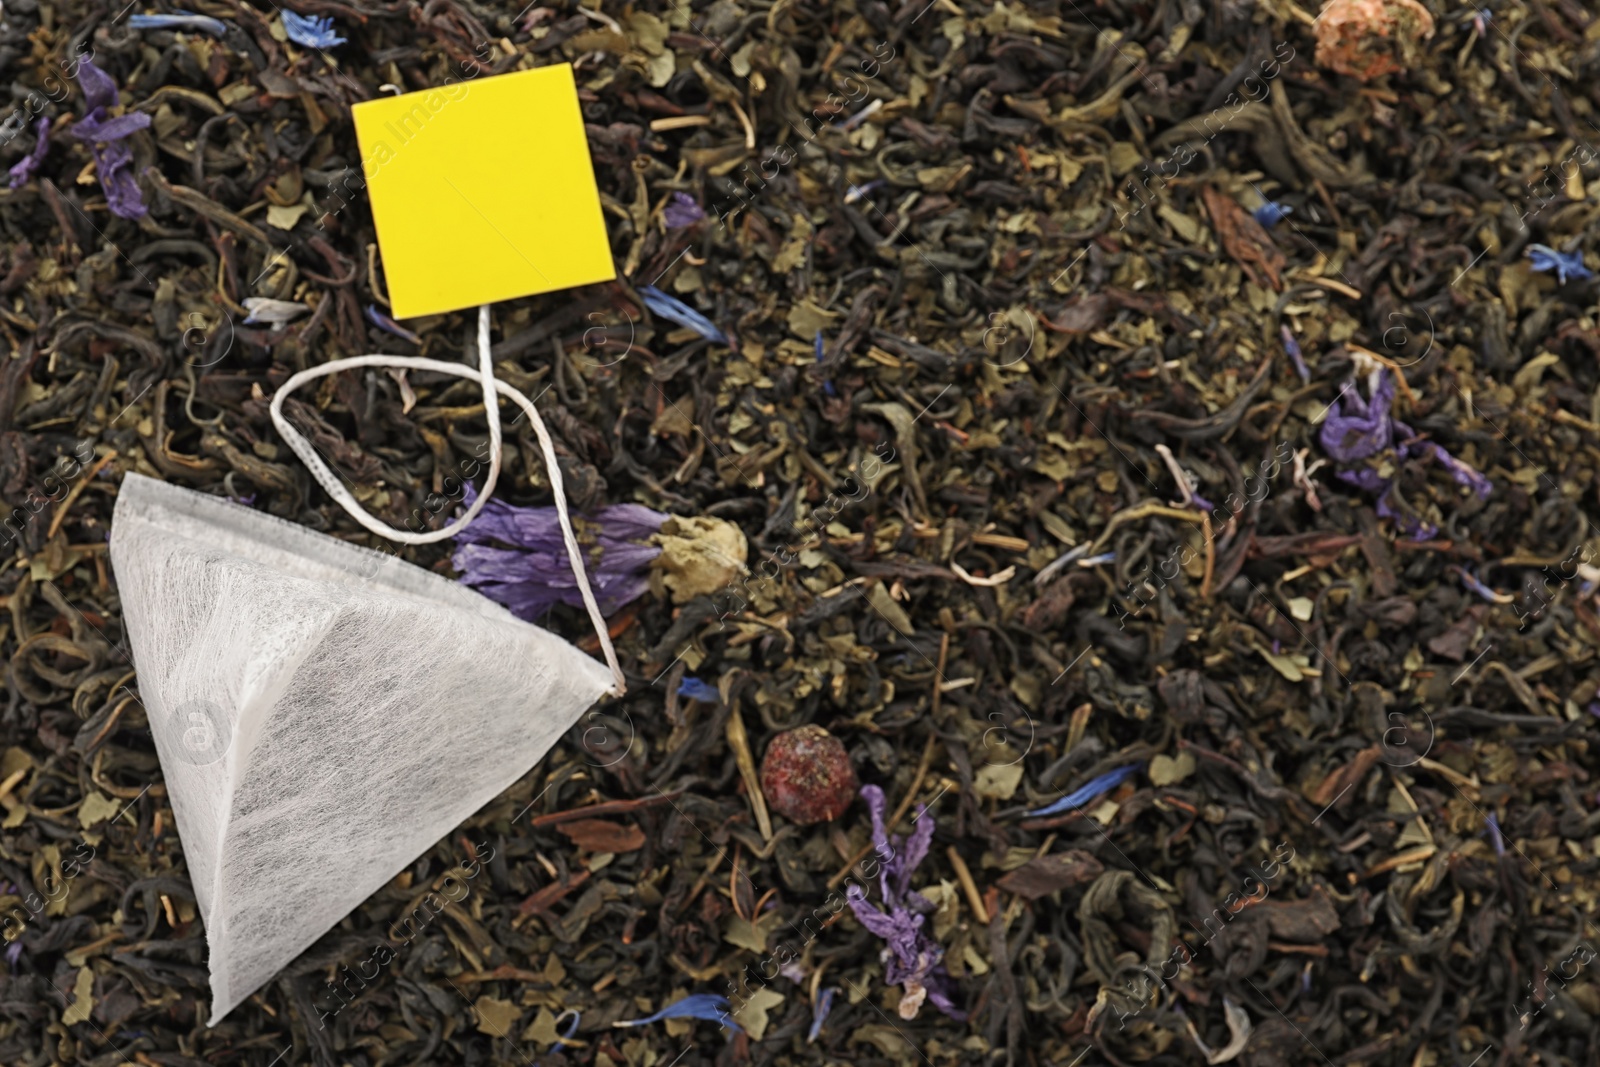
(483, 191)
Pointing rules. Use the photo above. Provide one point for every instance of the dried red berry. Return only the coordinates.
(807, 776)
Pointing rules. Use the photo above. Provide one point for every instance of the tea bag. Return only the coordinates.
(324, 713)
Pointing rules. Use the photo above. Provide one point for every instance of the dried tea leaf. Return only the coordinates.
(753, 1015)
(96, 808)
(1167, 770)
(598, 835)
(747, 934)
(1043, 875)
(496, 1017)
(998, 781)
(885, 605)
(699, 555)
(83, 999)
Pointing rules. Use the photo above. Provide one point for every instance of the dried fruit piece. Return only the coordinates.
(1369, 38)
(807, 776)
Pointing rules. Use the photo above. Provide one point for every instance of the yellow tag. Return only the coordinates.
(483, 191)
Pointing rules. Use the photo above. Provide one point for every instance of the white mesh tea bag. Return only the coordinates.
(325, 713)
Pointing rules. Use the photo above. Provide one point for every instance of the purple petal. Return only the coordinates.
(23, 170)
(629, 522)
(91, 128)
(114, 165)
(1463, 474)
(681, 211)
(1370, 430)
(938, 986)
(518, 557)
(874, 920)
(1366, 478)
(99, 91)
(915, 850)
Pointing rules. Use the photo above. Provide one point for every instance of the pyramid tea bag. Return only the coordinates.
(325, 713)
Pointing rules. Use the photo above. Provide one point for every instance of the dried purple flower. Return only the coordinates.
(1463, 474)
(1368, 429)
(24, 168)
(681, 211)
(911, 957)
(1371, 428)
(113, 160)
(517, 557)
(13, 954)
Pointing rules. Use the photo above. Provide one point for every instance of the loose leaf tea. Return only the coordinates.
(1157, 443)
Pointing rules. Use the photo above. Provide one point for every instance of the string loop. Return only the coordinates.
(484, 375)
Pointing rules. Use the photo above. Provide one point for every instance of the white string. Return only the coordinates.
(491, 406)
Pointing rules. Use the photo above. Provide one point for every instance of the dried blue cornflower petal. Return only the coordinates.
(1291, 346)
(1495, 835)
(308, 31)
(1565, 264)
(910, 955)
(572, 1028)
(695, 689)
(179, 20)
(827, 386)
(711, 1007)
(13, 954)
(1093, 788)
(819, 1013)
(856, 192)
(113, 161)
(517, 556)
(24, 168)
(1097, 561)
(1271, 213)
(674, 310)
(1471, 582)
(681, 211)
(388, 325)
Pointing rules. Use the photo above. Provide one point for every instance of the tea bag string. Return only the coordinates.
(491, 407)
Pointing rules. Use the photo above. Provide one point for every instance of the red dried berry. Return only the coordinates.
(807, 776)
